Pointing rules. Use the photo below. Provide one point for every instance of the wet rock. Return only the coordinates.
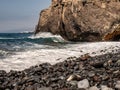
(83, 84)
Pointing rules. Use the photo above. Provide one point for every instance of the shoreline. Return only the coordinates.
(55, 54)
(93, 72)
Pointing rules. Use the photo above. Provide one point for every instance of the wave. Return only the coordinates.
(27, 32)
(44, 35)
(21, 51)
(45, 53)
(39, 38)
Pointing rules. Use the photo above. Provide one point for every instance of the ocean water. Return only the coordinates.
(22, 50)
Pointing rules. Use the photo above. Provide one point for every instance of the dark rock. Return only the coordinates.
(97, 64)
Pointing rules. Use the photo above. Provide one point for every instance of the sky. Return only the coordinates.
(20, 15)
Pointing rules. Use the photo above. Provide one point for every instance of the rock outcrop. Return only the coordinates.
(82, 20)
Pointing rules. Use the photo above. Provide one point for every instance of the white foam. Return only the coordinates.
(52, 55)
(3, 52)
(46, 35)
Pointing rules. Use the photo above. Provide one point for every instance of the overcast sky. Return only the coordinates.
(20, 15)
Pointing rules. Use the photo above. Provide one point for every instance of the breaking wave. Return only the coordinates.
(22, 50)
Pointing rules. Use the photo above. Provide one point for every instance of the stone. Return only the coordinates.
(73, 77)
(93, 88)
(74, 83)
(83, 84)
(7, 89)
(117, 86)
(118, 62)
(44, 88)
(82, 20)
(85, 57)
(29, 88)
(103, 87)
(91, 74)
(56, 75)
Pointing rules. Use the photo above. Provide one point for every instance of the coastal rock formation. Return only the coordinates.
(82, 20)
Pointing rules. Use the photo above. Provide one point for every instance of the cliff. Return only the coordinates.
(82, 20)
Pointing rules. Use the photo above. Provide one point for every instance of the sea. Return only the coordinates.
(19, 51)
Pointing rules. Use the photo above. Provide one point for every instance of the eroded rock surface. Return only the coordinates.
(82, 20)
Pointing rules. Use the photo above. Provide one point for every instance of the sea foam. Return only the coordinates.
(35, 53)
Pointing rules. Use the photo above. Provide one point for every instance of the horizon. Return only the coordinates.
(20, 16)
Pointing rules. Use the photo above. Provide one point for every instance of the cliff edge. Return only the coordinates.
(82, 20)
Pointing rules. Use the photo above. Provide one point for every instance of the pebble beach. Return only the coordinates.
(86, 72)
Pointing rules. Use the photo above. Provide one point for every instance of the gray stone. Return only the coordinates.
(91, 74)
(93, 88)
(73, 77)
(44, 88)
(103, 87)
(118, 62)
(117, 86)
(83, 84)
(74, 83)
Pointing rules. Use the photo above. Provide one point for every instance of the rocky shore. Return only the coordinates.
(76, 73)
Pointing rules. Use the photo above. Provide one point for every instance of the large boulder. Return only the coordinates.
(82, 20)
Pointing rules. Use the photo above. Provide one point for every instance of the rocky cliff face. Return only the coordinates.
(82, 20)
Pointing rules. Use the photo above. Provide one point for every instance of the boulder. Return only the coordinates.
(82, 20)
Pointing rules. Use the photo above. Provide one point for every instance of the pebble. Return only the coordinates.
(83, 84)
(91, 74)
(86, 74)
(93, 88)
(73, 77)
(118, 62)
(117, 86)
(103, 87)
(44, 88)
(74, 83)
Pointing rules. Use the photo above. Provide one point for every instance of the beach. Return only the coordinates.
(56, 64)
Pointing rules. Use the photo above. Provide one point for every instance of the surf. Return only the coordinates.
(22, 52)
